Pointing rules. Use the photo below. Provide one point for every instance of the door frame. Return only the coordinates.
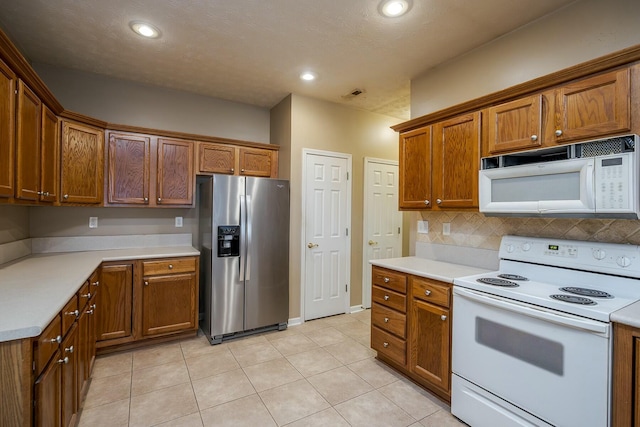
(303, 231)
(366, 287)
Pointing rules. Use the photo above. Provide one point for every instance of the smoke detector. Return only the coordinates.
(352, 94)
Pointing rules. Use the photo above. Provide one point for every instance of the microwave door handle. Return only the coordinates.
(589, 182)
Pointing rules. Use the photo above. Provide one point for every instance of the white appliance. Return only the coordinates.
(597, 178)
(532, 341)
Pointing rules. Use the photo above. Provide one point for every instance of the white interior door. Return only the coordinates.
(327, 248)
(382, 220)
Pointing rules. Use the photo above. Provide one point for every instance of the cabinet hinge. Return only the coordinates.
(398, 230)
(346, 289)
(346, 231)
(347, 176)
(33, 366)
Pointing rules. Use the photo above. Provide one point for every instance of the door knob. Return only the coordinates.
(372, 243)
(312, 245)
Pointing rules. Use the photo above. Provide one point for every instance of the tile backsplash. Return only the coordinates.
(473, 229)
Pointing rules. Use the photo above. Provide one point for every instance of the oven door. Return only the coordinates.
(552, 365)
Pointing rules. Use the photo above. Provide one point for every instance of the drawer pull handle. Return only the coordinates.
(96, 283)
(386, 297)
(427, 292)
(65, 360)
(443, 317)
(385, 344)
(68, 349)
(87, 295)
(170, 266)
(146, 283)
(386, 320)
(56, 340)
(385, 280)
(73, 313)
(66, 196)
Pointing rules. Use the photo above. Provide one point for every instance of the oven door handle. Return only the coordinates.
(536, 312)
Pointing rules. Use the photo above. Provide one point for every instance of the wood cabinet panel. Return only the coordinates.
(388, 345)
(49, 156)
(515, 125)
(217, 158)
(69, 397)
(47, 394)
(431, 291)
(128, 168)
(69, 314)
(169, 303)
(169, 266)
(7, 130)
(114, 319)
(415, 169)
(47, 344)
(389, 279)
(175, 172)
(389, 320)
(389, 298)
(255, 162)
(28, 122)
(626, 374)
(82, 164)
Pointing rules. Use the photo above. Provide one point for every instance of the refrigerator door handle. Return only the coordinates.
(248, 241)
(242, 236)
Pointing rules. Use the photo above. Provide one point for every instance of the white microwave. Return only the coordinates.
(603, 186)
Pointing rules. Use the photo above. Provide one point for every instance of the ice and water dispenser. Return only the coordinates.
(228, 241)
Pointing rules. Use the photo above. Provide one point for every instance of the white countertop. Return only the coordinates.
(437, 270)
(630, 315)
(35, 288)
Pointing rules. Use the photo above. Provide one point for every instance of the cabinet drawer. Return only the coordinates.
(431, 291)
(389, 346)
(389, 298)
(389, 320)
(84, 295)
(389, 279)
(169, 266)
(69, 314)
(47, 344)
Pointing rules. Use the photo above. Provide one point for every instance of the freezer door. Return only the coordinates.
(227, 287)
(267, 271)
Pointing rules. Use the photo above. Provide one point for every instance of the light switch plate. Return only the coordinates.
(93, 222)
(423, 227)
(178, 221)
(446, 228)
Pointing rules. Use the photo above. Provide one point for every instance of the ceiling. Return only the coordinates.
(253, 51)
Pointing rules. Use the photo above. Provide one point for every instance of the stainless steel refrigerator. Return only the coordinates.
(244, 239)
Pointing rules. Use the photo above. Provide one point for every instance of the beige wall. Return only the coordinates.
(581, 31)
(327, 126)
(14, 223)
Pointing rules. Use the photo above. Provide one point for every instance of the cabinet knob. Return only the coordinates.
(427, 292)
(558, 132)
(96, 283)
(534, 137)
(159, 199)
(242, 170)
(40, 193)
(385, 344)
(65, 361)
(146, 199)
(46, 193)
(386, 320)
(73, 313)
(386, 297)
(56, 340)
(385, 280)
(170, 266)
(232, 170)
(146, 283)
(438, 201)
(87, 295)
(69, 349)
(89, 311)
(427, 203)
(443, 317)
(66, 196)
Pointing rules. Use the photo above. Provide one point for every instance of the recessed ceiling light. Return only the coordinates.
(145, 30)
(308, 76)
(395, 8)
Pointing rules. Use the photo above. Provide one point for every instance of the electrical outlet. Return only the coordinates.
(93, 222)
(446, 228)
(178, 221)
(423, 227)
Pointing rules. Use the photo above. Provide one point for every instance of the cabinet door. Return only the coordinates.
(128, 169)
(515, 125)
(49, 155)
(7, 129)
(456, 162)
(47, 395)
(28, 124)
(169, 303)
(175, 172)
(82, 164)
(217, 158)
(429, 343)
(116, 293)
(593, 107)
(255, 162)
(415, 169)
(69, 395)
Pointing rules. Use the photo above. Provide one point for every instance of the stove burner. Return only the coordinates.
(573, 299)
(592, 293)
(497, 282)
(512, 277)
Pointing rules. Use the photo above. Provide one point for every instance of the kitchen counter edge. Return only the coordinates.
(431, 269)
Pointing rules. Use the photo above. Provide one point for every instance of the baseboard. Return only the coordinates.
(356, 308)
(295, 321)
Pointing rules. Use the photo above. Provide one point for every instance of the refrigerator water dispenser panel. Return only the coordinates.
(228, 241)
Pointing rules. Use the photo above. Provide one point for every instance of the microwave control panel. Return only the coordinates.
(613, 182)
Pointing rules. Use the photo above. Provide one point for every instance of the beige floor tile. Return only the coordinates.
(373, 409)
(328, 417)
(223, 388)
(255, 353)
(326, 336)
(211, 364)
(293, 344)
(157, 355)
(441, 418)
(375, 372)
(246, 341)
(162, 405)
(363, 316)
(314, 362)
(272, 374)
(192, 420)
(293, 401)
(112, 364)
(200, 346)
(115, 414)
(339, 385)
(350, 351)
(412, 399)
(309, 326)
(276, 335)
(338, 319)
(158, 377)
(108, 389)
(354, 329)
(365, 340)
(247, 411)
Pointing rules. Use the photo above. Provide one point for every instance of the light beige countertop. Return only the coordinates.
(630, 315)
(35, 288)
(437, 270)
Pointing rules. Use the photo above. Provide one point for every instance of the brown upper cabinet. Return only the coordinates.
(515, 125)
(28, 122)
(233, 160)
(7, 129)
(82, 165)
(128, 168)
(175, 174)
(415, 169)
(49, 156)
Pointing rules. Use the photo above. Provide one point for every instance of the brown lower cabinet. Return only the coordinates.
(411, 327)
(626, 376)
